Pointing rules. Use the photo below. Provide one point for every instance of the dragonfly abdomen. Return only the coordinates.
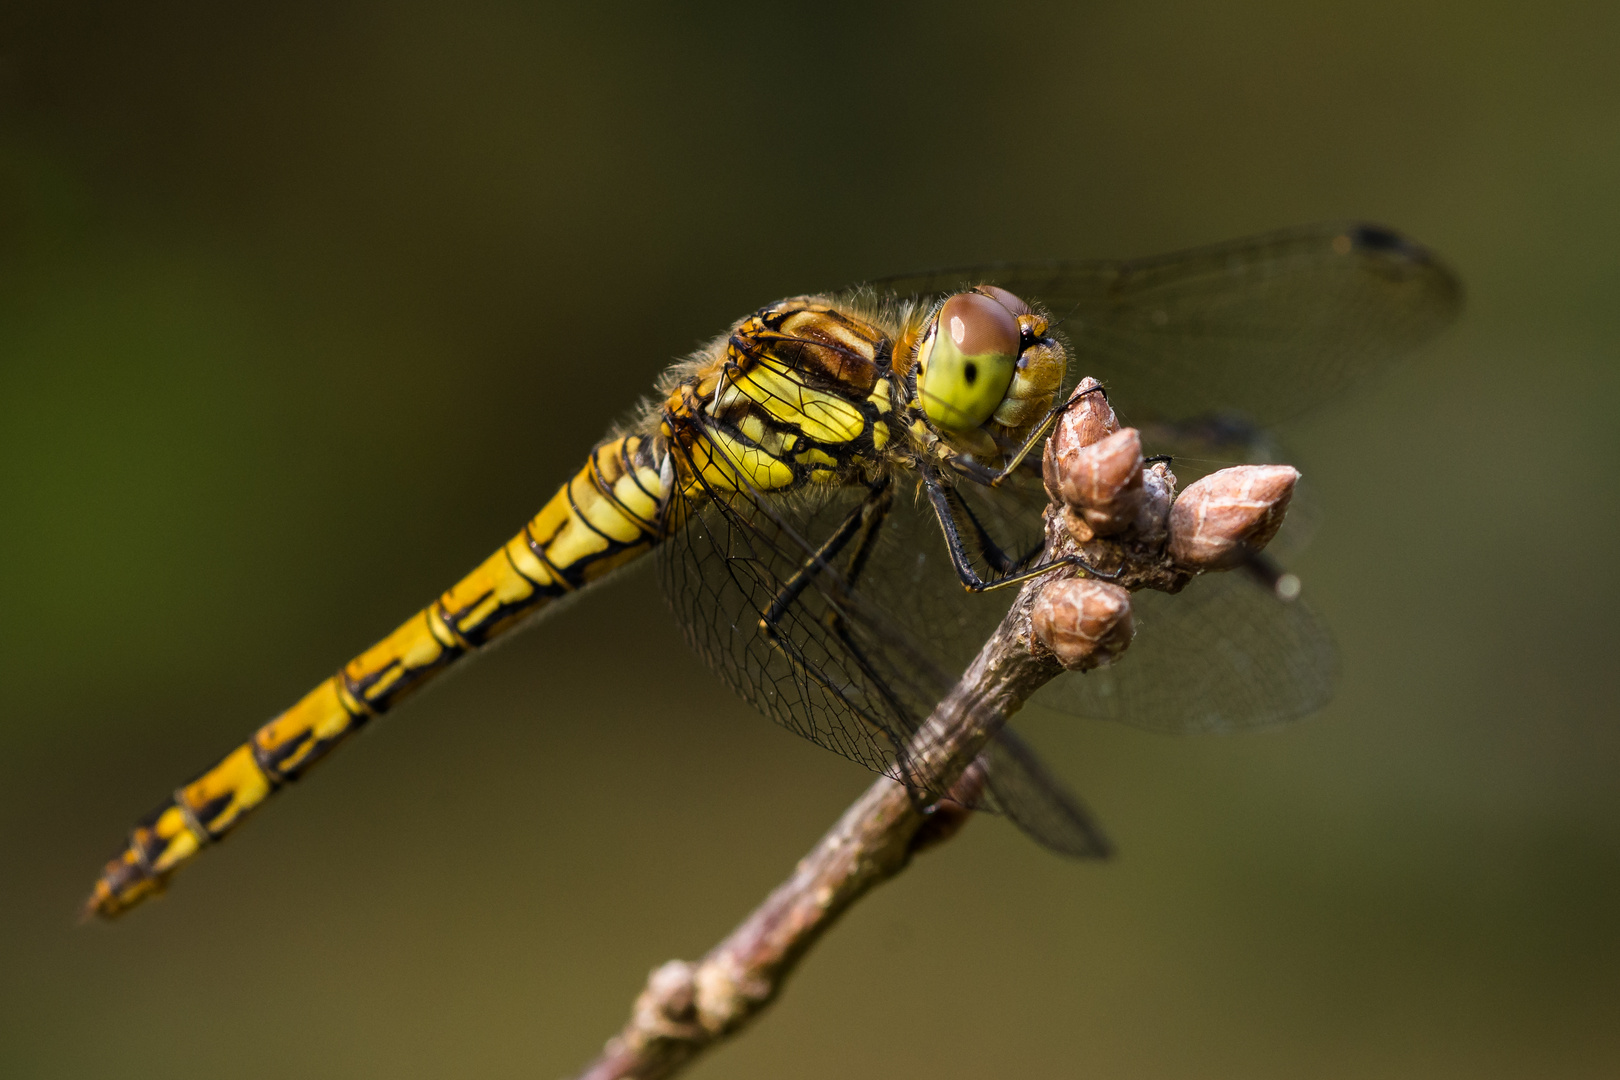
(607, 515)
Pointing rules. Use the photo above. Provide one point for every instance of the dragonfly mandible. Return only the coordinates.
(821, 482)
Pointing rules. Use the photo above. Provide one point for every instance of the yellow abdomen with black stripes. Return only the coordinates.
(800, 393)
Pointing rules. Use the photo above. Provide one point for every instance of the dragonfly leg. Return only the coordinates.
(983, 474)
(839, 627)
(1005, 570)
(1265, 571)
(860, 528)
(998, 560)
(863, 521)
(875, 512)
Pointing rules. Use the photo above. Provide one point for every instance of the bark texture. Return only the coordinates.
(688, 1006)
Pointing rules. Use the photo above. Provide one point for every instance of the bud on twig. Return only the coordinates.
(669, 1002)
(1158, 494)
(1085, 622)
(1088, 419)
(1228, 512)
(1113, 527)
(1103, 481)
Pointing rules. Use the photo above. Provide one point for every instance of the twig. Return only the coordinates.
(688, 1007)
(1112, 513)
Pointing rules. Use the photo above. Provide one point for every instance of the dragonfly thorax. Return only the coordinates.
(802, 392)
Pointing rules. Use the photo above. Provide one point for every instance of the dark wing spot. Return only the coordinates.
(1376, 238)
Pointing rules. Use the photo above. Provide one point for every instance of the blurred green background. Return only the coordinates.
(304, 309)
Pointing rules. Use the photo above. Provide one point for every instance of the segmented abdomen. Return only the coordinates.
(606, 516)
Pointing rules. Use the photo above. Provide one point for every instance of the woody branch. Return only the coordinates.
(1108, 509)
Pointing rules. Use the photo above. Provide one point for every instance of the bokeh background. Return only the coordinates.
(305, 307)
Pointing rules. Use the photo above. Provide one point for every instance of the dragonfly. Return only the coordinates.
(836, 489)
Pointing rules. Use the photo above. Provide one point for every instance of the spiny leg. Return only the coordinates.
(875, 512)
(860, 527)
(863, 518)
(997, 559)
(940, 497)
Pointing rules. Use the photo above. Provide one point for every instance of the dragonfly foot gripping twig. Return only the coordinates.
(1110, 509)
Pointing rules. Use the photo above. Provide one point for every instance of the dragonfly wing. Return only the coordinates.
(911, 577)
(1020, 787)
(1222, 655)
(822, 661)
(839, 664)
(1264, 327)
(1211, 443)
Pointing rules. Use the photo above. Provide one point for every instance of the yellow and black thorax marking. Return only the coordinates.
(799, 393)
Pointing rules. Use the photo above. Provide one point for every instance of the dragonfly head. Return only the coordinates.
(986, 367)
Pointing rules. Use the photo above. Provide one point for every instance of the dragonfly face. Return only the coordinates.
(771, 480)
(984, 373)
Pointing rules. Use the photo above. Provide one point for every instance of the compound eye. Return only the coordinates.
(967, 361)
(1004, 298)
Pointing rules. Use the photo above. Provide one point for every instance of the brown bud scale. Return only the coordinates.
(1227, 512)
(1088, 419)
(1158, 495)
(1085, 622)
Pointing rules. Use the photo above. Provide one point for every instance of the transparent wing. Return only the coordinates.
(1222, 655)
(1208, 443)
(911, 577)
(814, 661)
(1019, 786)
(1263, 328)
(762, 598)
